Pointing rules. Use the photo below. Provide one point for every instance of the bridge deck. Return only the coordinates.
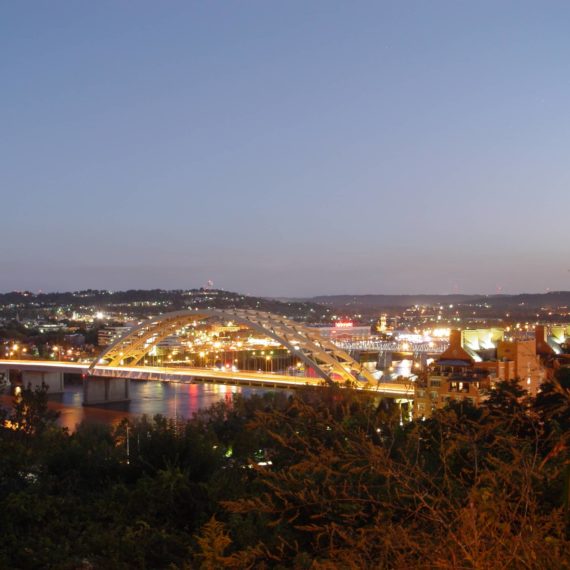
(206, 375)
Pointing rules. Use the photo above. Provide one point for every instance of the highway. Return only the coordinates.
(191, 374)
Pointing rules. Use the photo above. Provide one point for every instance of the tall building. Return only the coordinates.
(382, 324)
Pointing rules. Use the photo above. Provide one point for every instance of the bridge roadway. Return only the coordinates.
(205, 375)
(393, 346)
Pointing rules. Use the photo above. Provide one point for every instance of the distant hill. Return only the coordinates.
(393, 301)
(24, 304)
(529, 300)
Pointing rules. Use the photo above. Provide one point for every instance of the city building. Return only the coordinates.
(473, 363)
(74, 339)
(344, 331)
(381, 326)
(108, 335)
(553, 344)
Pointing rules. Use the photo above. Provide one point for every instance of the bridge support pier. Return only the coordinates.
(98, 390)
(422, 360)
(35, 378)
(384, 360)
(4, 377)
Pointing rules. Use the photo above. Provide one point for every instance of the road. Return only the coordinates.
(245, 378)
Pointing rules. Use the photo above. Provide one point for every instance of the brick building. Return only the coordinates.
(473, 363)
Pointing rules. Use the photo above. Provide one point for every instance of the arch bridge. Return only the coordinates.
(328, 361)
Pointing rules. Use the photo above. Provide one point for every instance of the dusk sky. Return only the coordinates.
(285, 148)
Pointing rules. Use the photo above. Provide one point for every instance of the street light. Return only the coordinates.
(14, 350)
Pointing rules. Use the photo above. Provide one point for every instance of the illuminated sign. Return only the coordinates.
(345, 325)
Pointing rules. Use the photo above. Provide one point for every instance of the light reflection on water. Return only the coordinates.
(147, 397)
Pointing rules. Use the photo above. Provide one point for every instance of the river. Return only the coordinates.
(170, 399)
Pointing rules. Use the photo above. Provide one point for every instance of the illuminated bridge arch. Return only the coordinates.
(327, 360)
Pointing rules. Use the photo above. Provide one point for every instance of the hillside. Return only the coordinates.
(553, 299)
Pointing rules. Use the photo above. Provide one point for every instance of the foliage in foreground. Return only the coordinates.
(325, 479)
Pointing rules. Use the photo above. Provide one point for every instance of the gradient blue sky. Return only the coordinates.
(285, 148)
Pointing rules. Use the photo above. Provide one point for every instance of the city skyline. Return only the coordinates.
(288, 149)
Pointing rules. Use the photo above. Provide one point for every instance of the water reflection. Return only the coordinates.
(147, 397)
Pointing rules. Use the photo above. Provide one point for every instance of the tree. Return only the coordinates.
(30, 414)
(213, 541)
(464, 489)
(552, 402)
